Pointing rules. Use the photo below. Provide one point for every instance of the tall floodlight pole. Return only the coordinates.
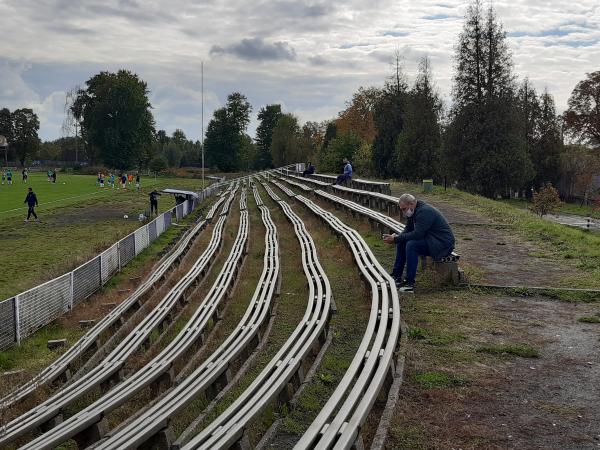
(202, 118)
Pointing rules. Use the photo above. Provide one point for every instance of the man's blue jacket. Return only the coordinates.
(429, 224)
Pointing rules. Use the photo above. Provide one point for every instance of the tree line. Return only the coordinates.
(498, 135)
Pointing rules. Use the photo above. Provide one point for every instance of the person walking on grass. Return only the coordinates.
(32, 202)
(25, 175)
(54, 176)
(3, 176)
(426, 233)
(9, 175)
(137, 181)
(154, 202)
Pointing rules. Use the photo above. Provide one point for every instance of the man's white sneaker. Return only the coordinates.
(407, 288)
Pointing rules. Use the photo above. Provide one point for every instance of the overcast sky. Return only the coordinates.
(309, 56)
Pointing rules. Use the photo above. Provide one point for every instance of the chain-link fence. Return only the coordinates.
(160, 225)
(152, 231)
(87, 278)
(8, 323)
(25, 313)
(43, 304)
(110, 262)
(141, 239)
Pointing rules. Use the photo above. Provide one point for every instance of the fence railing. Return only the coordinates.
(25, 313)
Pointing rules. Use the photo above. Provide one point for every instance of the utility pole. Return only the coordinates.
(202, 118)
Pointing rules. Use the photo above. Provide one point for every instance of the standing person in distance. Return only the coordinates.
(154, 202)
(54, 176)
(9, 176)
(32, 202)
(426, 233)
(137, 181)
(25, 175)
(347, 175)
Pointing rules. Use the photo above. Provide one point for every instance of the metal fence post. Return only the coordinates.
(17, 327)
(119, 254)
(71, 291)
(100, 267)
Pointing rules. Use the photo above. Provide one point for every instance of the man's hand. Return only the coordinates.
(388, 238)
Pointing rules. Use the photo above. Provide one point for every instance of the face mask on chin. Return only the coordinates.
(409, 213)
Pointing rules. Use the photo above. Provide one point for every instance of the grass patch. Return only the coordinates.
(78, 221)
(439, 380)
(522, 350)
(590, 319)
(407, 437)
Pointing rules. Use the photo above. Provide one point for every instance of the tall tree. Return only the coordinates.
(116, 117)
(582, 119)
(342, 146)
(358, 117)
(25, 133)
(485, 146)
(6, 129)
(418, 146)
(226, 133)
(286, 145)
(267, 117)
(546, 155)
(388, 116)
(6, 124)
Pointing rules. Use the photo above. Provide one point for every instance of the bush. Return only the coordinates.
(546, 200)
(158, 164)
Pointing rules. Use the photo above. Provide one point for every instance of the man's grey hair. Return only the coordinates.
(406, 198)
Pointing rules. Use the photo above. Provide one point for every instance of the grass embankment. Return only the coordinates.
(577, 248)
(72, 230)
(33, 355)
(565, 208)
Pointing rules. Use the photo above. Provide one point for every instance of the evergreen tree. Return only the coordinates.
(546, 155)
(485, 146)
(389, 120)
(268, 117)
(418, 145)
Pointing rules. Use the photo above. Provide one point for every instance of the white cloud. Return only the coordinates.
(310, 54)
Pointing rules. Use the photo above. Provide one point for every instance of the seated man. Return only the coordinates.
(347, 175)
(310, 170)
(427, 233)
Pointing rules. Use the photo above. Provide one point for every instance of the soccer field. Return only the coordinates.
(78, 219)
(68, 189)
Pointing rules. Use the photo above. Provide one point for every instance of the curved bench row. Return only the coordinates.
(110, 369)
(372, 199)
(214, 373)
(369, 185)
(291, 361)
(89, 425)
(339, 422)
(381, 201)
(61, 367)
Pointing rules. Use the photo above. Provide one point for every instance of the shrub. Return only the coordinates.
(546, 200)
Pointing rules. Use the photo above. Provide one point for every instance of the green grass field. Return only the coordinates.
(72, 189)
(77, 221)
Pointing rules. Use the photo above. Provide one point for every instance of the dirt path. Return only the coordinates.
(456, 396)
